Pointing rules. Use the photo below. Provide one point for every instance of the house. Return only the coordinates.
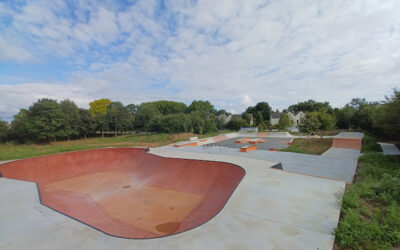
(274, 118)
(295, 117)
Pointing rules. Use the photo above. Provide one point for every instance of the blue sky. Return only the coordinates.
(233, 53)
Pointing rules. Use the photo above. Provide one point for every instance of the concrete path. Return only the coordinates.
(270, 209)
(389, 149)
(332, 167)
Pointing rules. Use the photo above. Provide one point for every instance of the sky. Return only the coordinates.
(232, 53)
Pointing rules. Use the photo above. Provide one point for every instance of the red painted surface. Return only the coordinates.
(347, 143)
(102, 187)
(273, 149)
(248, 148)
(186, 144)
(258, 141)
(243, 140)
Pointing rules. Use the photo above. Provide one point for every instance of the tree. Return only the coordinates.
(132, 110)
(169, 107)
(387, 117)
(309, 124)
(18, 130)
(344, 117)
(311, 106)
(45, 120)
(3, 131)
(204, 108)
(236, 123)
(144, 116)
(117, 116)
(72, 118)
(285, 121)
(98, 109)
(246, 117)
(87, 123)
(327, 122)
(263, 108)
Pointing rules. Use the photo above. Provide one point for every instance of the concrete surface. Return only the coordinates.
(270, 209)
(389, 149)
(161, 196)
(350, 135)
(271, 142)
(328, 166)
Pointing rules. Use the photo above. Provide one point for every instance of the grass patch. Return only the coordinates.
(315, 146)
(371, 205)
(10, 151)
(369, 144)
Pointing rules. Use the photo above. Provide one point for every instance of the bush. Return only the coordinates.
(371, 206)
(369, 144)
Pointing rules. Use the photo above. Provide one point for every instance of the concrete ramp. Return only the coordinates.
(127, 192)
(389, 149)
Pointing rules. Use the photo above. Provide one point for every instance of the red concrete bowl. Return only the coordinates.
(127, 192)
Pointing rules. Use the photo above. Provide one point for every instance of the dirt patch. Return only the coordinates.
(347, 143)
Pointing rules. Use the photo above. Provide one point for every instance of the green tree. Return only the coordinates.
(72, 118)
(246, 117)
(327, 122)
(132, 110)
(309, 124)
(204, 108)
(236, 123)
(87, 123)
(344, 117)
(258, 118)
(18, 131)
(46, 121)
(265, 110)
(285, 122)
(117, 116)
(3, 131)
(387, 117)
(311, 106)
(169, 107)
(145, 115)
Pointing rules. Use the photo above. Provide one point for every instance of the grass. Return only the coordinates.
(315, 146)
(371, 205)
(369, 144)
(11, 151)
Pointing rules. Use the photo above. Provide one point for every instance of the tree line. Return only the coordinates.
(49, 120)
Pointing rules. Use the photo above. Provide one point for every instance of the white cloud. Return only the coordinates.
(234, 53)
(12, 52)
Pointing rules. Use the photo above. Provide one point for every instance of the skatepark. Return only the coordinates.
(199, 194)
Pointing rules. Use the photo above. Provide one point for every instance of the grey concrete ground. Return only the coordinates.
(341, 165)
(350, 135)
(389, 149)
(270, 209)
(271, 142)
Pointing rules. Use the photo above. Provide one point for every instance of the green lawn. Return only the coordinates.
(370, 216)
(10, 151)
(314, 146)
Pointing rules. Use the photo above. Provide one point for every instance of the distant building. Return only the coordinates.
(274, 118)
(295, 117)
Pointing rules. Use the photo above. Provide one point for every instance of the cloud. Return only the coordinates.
(234, 54)
(12, 52)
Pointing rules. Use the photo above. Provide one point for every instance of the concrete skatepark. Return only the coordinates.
(246, 203)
